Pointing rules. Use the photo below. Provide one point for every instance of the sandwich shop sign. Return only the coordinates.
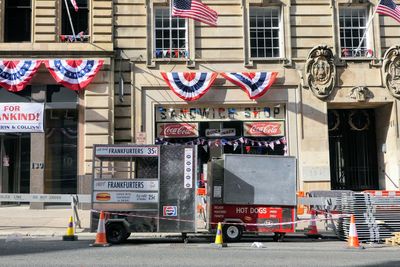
(21, 117)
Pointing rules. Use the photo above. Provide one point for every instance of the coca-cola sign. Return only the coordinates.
(265, 128)
(177, 130)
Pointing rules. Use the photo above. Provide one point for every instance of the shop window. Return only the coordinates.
(79, 21)
(352, 24)
(265, 26)
(170, 36)
(61, 151)
(17, 20)
(21, 96)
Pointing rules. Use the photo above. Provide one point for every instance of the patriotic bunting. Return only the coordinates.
(74, 74)
(255, 84)
(15, 75)
(189, 85)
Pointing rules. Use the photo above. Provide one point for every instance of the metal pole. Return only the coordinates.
(70, 20)
(368, 24)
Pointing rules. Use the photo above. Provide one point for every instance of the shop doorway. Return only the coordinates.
(15, 163)
(352, 149)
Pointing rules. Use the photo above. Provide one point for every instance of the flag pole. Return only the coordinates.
(368, 24)
(70, 20)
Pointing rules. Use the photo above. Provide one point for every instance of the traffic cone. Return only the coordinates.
(70, 231)
(218, 238)
(312, 228)
(101, 239)
(353, 236)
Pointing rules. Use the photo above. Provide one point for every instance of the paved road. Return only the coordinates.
(198, 252)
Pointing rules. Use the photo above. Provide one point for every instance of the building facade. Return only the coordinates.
(333, 98)
(53, 160)
(333, 104)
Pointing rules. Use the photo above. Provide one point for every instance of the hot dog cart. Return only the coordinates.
(151, 188)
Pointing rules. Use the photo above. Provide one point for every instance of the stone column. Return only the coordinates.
(37, 151)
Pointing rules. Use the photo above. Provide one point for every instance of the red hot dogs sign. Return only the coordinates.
(21, 117)
(178, 130)
(265, 128)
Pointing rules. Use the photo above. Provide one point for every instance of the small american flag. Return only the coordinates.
(195, 10)
(73, 2)
(389, 8)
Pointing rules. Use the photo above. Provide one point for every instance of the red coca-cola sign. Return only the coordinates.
(178, 130)
(265, 128)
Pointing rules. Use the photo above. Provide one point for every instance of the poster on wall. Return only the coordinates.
(264, 128)
(21, 117)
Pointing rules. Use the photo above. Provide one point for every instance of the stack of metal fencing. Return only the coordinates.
(377, 217)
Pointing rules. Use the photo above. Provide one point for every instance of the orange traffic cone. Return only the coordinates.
(312, 228)
(353, 236)
(101, 239)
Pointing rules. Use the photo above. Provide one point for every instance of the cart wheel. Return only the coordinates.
(116, 233)
(278, 237)
(232, 232)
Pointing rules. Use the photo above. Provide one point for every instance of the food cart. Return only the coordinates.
(151, 188)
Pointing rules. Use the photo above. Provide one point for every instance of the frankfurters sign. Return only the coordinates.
(124, 185)
(125, 151)
(21, 117)
(125, 197)
(264, 128)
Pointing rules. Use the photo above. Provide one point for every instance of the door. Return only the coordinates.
(14, 163)
(352, 149)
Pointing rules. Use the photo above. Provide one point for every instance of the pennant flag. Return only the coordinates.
(15, 75)
(235, 145)
(272, 145)
(389, 8)
(205, 147)
(74, 74)
(255, 84)
(73, 2)
(196, 10)
(189, 86)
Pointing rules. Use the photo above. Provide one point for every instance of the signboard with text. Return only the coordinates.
(220, 113)
(264, 128)
(126, 151)
(178, 130)
(220, 132)
(21, 117)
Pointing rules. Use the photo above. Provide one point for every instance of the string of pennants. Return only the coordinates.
(73, 74)
(206, 143)
(192, 86)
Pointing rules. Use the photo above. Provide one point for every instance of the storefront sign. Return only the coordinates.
(220, 132)
(178, 130)
(126, 151)
(21, 117)
(266, 128)
(124, 185)
(124, 197)
(220, 113)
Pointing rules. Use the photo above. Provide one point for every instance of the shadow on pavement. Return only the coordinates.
(37, 245)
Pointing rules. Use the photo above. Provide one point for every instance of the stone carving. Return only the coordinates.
(360, 93)
(391, 70)
(321, 71)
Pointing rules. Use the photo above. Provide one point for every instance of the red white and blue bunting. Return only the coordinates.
(255, 84)
(15, 75)
(74, 74)
(189, 86)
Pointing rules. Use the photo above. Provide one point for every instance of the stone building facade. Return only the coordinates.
(334, 100)
(337, 99)
(54, 161)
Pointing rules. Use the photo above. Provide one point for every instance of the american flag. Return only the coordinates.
(73, 2)
(389, 8)
(195, 10)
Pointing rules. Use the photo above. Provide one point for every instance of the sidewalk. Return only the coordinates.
(49, 222)
(53, 222)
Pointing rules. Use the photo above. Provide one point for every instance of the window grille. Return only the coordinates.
(170, 35)
(264, 32)
(353, 23)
